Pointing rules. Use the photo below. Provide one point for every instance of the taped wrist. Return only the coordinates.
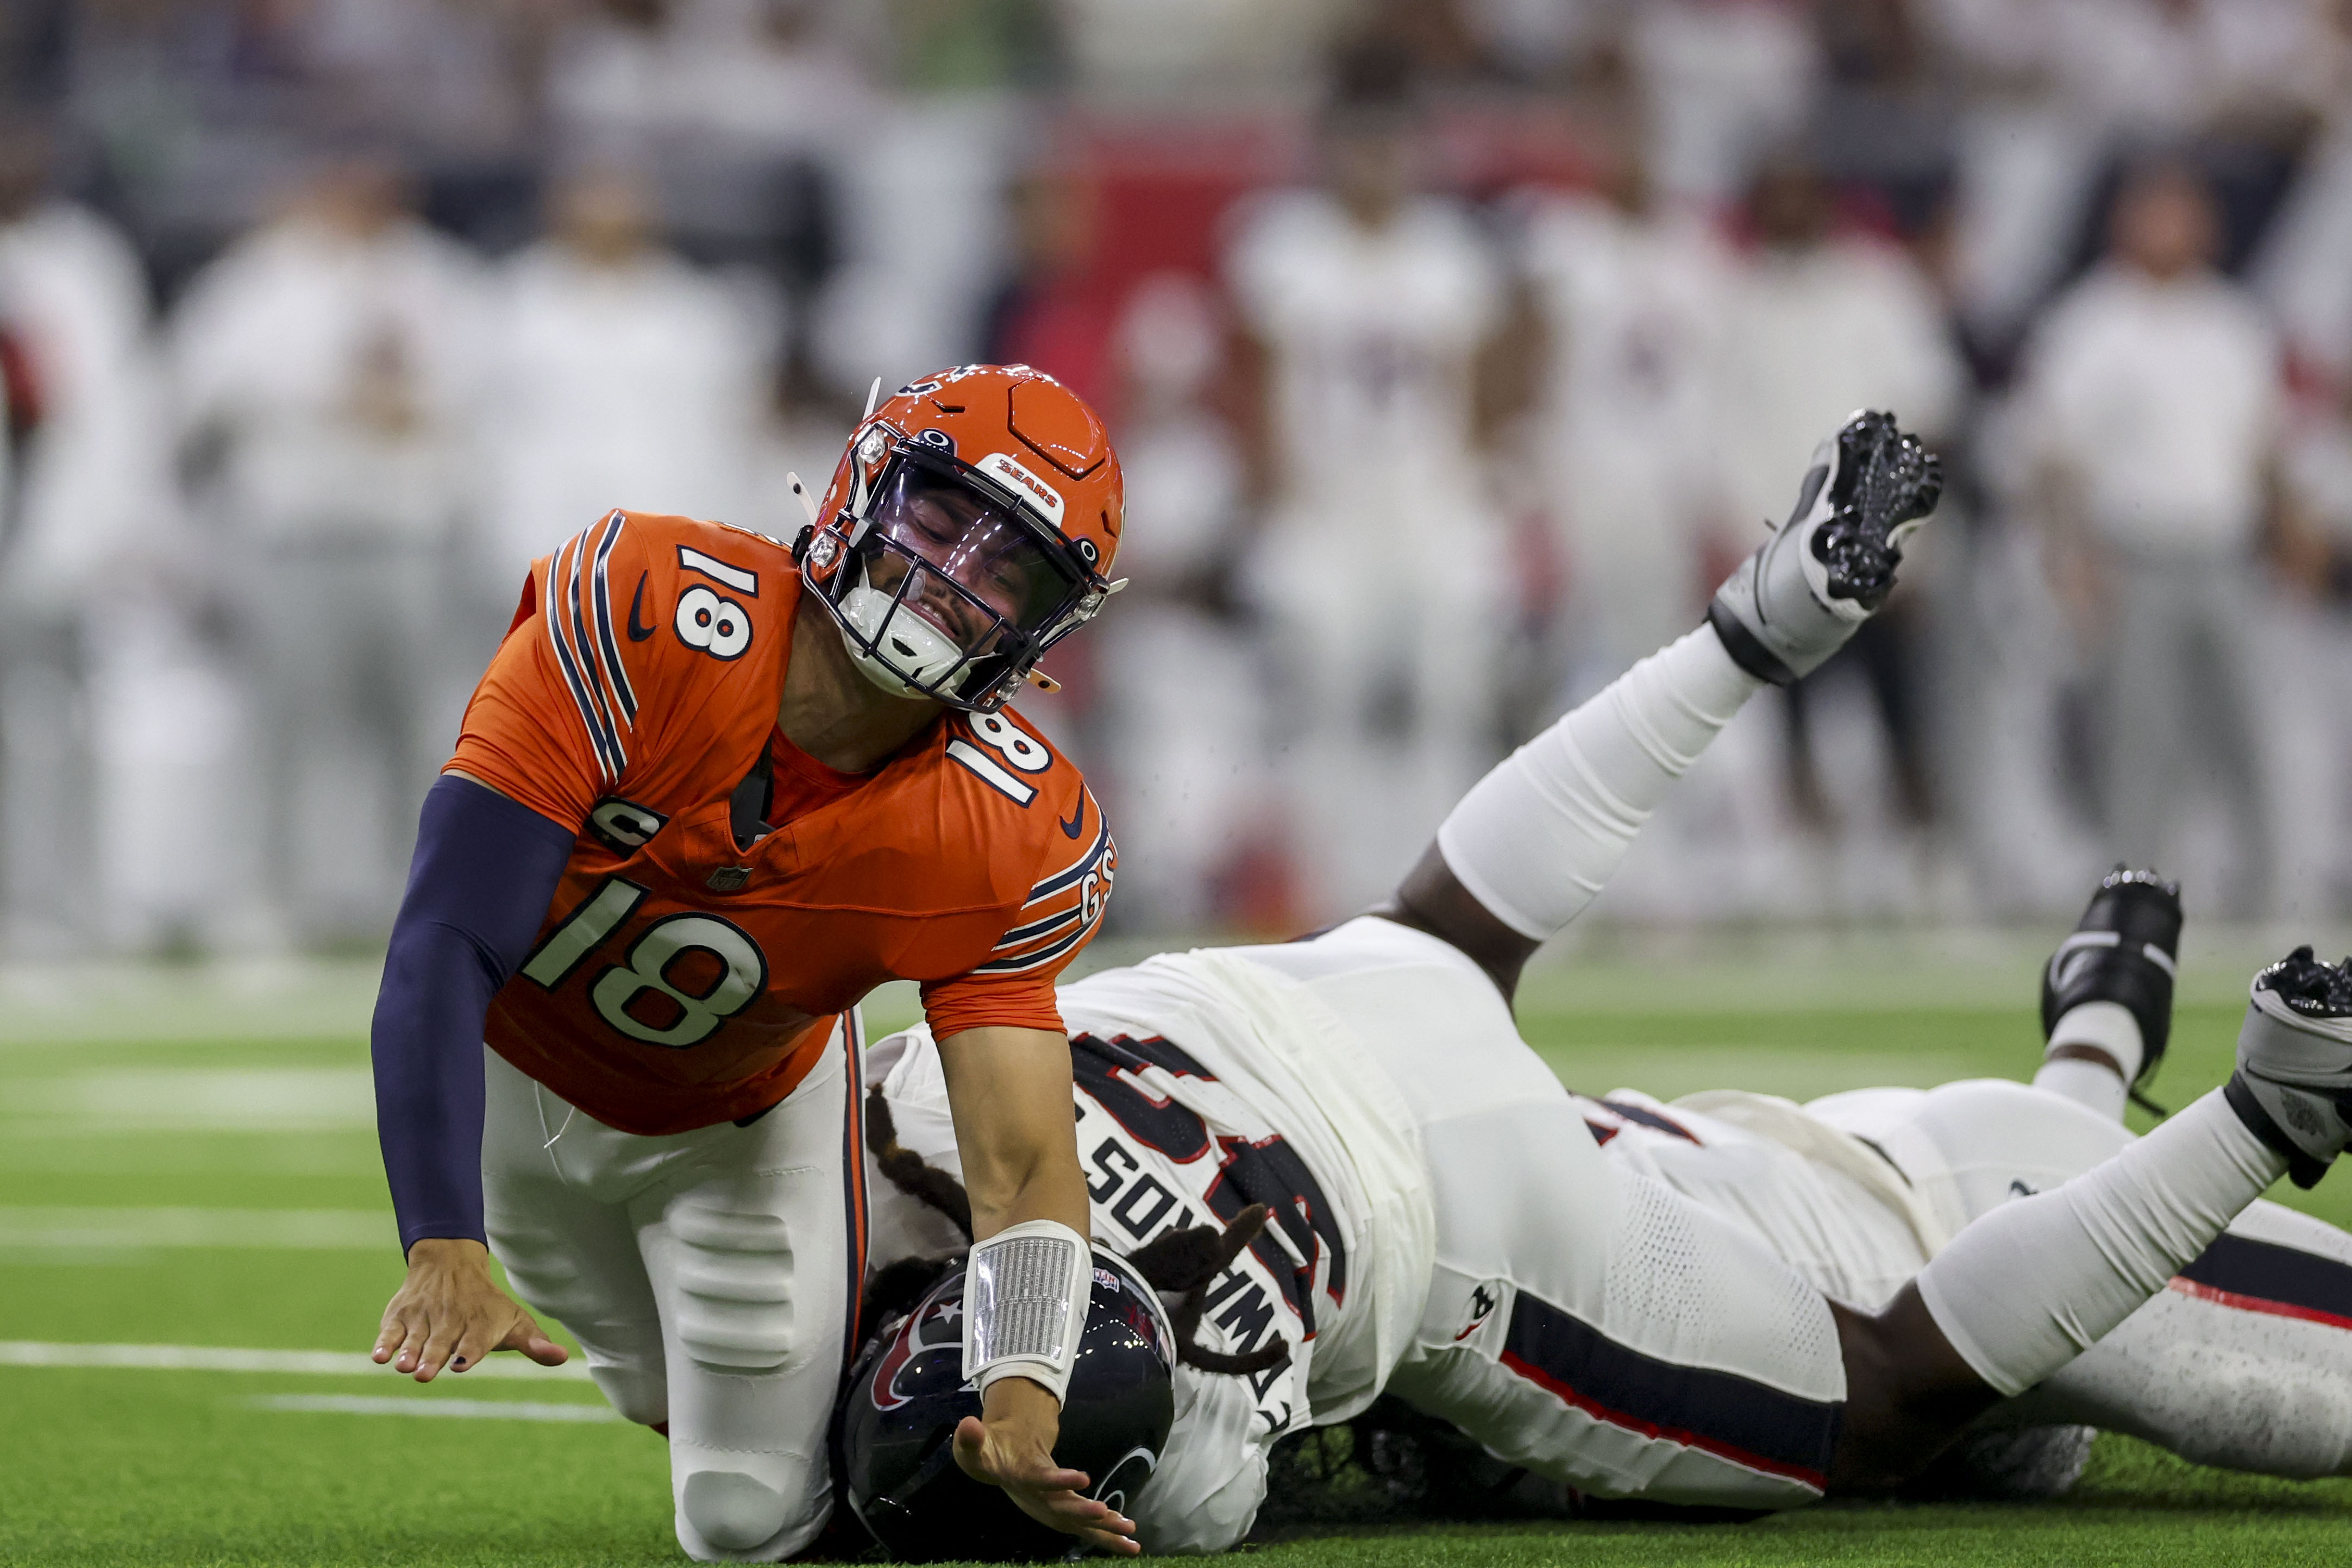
(1025, 1304)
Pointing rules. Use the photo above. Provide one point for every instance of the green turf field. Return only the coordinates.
(188, 1160)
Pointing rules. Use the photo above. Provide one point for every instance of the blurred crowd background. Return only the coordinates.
(1455, 350)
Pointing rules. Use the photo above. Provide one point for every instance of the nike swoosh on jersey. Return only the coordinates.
(638, 632)
(1077, 818)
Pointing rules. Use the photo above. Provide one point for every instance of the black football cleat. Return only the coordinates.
(2293, 1082)
(2126, 949)
(1830, 567)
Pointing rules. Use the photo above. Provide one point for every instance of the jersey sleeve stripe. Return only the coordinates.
(603, 745)
(1036, 928)
(1017, 963)
(591, 666)
(1075, 872)
(616, 674)
(1048, 938)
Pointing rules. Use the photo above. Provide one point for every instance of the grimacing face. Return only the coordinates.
(959, 535)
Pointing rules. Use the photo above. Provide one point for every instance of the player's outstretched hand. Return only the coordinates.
(448, 1312)
(1013, 1448)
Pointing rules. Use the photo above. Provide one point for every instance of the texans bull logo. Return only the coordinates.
(936, 1325)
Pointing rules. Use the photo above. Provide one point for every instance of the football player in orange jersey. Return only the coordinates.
(709, 793)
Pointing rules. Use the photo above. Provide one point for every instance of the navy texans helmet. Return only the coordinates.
(892, 1433)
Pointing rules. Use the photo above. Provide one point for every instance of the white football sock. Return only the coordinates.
(2032, 1284)
(2088, 1084)
(2106, 1027)
(1536, 838)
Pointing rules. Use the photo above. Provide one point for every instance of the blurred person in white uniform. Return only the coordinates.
(618, 376)
(2060, 88)
(89, 508)
(1720, 78)
(1821, 322)
(2152, 389)
(1632, 294)
(1369, 307)
(1185, 715)
(2310, 665)
(326, 367)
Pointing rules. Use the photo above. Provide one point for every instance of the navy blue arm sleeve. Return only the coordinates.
(484, 873)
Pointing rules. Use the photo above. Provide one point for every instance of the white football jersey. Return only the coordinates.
(1373, 337)
(1188, 1109)
(1636, 308)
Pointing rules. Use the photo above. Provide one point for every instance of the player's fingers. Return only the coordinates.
(1091, 1520)
(439, 1345)
(472, 1345)
(1073, 1511)
(1122, 1544)
(389, 1335)
(530, 1338)
(1047, 1477)
(409, 1348)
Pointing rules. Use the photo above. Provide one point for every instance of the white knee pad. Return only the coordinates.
(736, 1279)
(730, 1510)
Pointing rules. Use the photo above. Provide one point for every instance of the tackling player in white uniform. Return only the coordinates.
(1733, 1300)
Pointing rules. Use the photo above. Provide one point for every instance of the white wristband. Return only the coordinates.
(1025, 1304)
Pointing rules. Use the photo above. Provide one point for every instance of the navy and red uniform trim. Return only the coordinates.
(2263, 1277)
(1732, 1418)
(1641, 1115)
(853, 1187)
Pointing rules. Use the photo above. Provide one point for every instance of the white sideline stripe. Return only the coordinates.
(303, 1230)
(463, 1409)
(219, 1358)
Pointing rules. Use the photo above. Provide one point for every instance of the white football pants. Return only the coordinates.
(1631, 1297)
(2245, 1362)
(1583, 1319)
(712, 1277)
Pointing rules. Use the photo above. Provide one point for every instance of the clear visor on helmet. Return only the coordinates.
(949, 591)
(975, 563)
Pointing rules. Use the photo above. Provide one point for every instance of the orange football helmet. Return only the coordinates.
(970, 526)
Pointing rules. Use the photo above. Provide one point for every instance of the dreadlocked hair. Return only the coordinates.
(1190, 1260)
(910, 1172)
(1185, 1260)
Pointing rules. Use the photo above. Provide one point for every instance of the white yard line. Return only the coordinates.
(219, 1358)
(305, 1230)
(197, 1098)
(463, 1409)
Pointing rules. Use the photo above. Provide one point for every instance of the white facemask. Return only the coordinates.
(912, 644)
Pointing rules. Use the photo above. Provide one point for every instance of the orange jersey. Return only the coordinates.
(685, 974)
